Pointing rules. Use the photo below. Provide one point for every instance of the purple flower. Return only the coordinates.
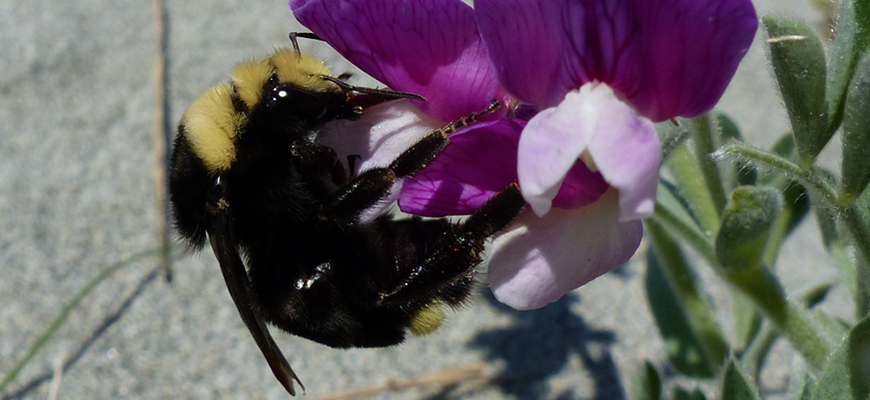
(428, 47)
(598, 72)
(431, 48)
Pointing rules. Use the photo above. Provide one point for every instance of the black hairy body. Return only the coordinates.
(283, 214)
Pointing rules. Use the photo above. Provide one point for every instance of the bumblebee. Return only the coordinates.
(282, 213)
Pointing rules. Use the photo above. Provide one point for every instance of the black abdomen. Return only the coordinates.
(324, 281)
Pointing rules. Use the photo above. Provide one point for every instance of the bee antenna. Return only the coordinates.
(380, 92)
(306, 35)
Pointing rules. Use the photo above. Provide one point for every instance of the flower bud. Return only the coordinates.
(746, 226)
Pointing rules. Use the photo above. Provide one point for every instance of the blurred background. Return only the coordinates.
(83, 114)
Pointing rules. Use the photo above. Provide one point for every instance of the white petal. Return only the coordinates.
(549, 145)
(539, 259)
(383, 132)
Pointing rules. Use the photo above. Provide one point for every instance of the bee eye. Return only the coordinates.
(216, 191)
(273, 79)
(298, 102)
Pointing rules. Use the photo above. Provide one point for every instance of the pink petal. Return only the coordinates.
(668, 57)
(428, 47)
(479, 162)
(538, 260)
(626, 151)
(383, 132)
(551, 144)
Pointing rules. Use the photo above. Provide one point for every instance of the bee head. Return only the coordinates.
(298, 92)
(269, 103)
(286, 90)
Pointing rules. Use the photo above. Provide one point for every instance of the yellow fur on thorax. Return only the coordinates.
(212, 122)
(249, 79)
(296, 69)
(212, 125)
(301, 70)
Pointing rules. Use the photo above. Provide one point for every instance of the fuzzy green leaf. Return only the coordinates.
(744, 173)
(851, 41)
(681, 393)
(682, 279)
(784, 146)
(795, 206)
(647, 385)
(846, 376)
(797, 200)
(735, 385)
(671, 197)
(755, 355)
(807, 389)
(798, 61)
(816, 294)
(728, 128)
(834, 329)
(683, 344)
(746, 227)
(856, 133)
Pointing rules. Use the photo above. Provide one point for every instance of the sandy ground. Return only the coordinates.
(77, 193)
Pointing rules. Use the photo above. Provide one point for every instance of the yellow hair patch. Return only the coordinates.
(249, 79)
(212, 125)
(427, 320)
(301, 70)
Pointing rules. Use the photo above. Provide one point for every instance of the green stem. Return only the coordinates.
(694, 189)
(804, 176)
(754, 355)
(705, 136)
(682, 279)
(759, 285)
(672, 136)
(857, 226)
(64, 314)
(688, 232)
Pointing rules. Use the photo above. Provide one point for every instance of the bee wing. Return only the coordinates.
(236, 278)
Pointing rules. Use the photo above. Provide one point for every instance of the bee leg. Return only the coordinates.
(373, 185)
(456, 259)
(423, 152)
(315, 157)
(238, 284)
